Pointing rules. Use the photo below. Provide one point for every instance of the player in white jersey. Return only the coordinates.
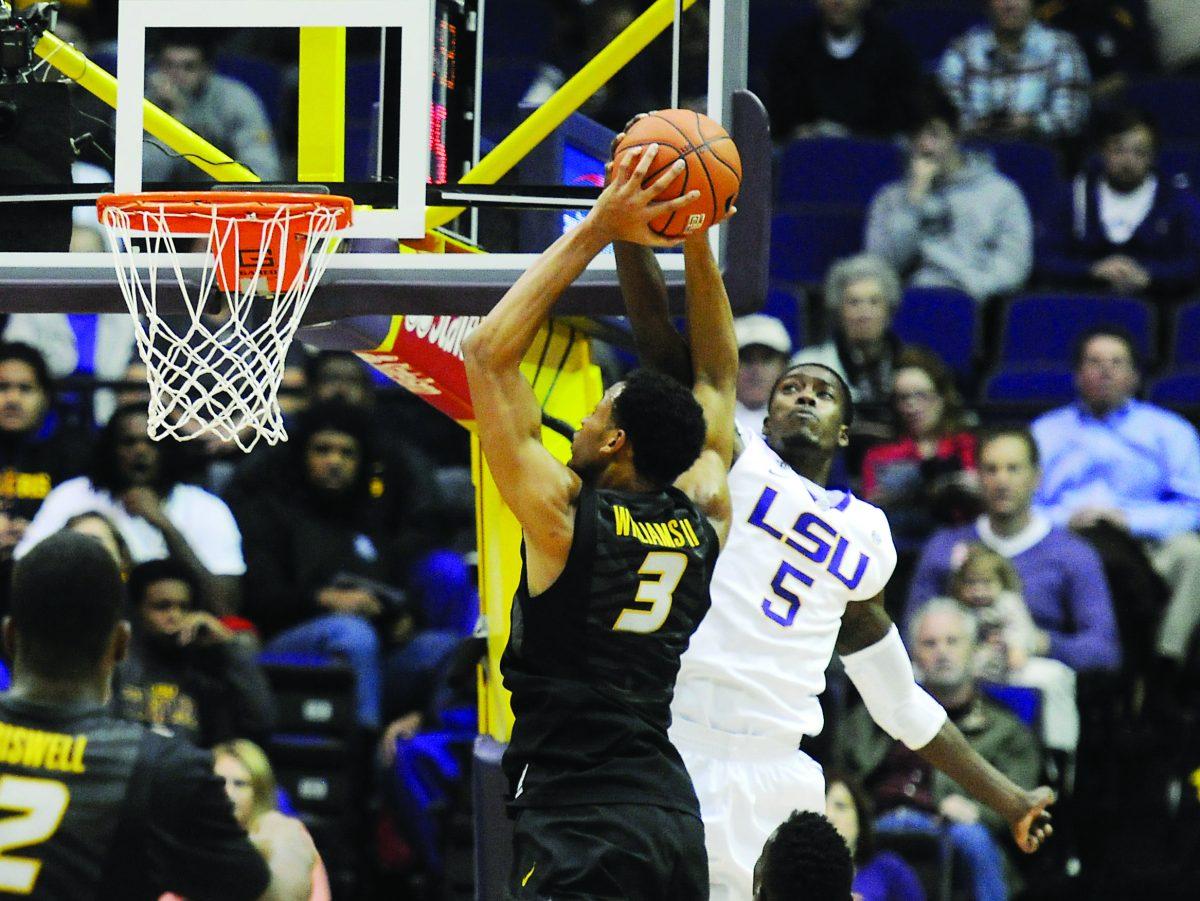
(802, 575)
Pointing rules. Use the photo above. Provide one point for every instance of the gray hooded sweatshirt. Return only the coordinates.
(972, 231)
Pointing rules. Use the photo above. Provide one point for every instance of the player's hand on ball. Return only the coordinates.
(628, 205)
(1033, 828)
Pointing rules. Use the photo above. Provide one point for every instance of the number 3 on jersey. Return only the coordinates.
(41, 804)
(669, 566)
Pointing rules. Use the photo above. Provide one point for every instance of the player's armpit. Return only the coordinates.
(863, 624)
(706, 484)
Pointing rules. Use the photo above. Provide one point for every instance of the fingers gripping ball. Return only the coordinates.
(714, 167)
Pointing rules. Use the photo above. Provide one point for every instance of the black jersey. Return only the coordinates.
(97, 808)
(591, 662)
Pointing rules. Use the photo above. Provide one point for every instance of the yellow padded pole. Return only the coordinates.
(572, 95)
(321, 146)
(179, 138)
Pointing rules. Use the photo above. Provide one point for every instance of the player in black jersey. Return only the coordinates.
(618, 548)
(97, 808)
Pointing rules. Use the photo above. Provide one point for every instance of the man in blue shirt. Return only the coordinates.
(1113, 460)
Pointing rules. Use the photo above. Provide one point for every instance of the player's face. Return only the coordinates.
(1007, 476)
(238, 787)
(332, 460)
(758, 369)
(137, 457)
(917, 401)
(944, 650)
(1106, 376)
(22, 400)
(164, 607)
(1128, 158)
(840, 810)
(806, 410)
(865, 313)
(594, 434)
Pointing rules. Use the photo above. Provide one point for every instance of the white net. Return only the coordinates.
(215, 361)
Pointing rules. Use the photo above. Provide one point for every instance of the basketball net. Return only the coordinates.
(214, 367)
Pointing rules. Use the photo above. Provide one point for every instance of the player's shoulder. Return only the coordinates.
(171, 762)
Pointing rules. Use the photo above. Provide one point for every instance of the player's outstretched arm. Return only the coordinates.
(540, 490)
(714, 381)
(658, 345)
(878, 665)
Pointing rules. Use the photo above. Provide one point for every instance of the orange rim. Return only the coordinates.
(192, 208)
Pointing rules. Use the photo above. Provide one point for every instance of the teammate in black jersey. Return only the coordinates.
(98, 808)
(618, 549)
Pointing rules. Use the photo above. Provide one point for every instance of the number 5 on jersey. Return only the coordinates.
(669, 566)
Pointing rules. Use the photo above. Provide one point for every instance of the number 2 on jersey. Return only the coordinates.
(41, 804)
(658, 593)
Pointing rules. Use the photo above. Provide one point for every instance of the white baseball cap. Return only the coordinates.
(762, 329)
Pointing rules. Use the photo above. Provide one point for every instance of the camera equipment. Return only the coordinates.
(19, 34)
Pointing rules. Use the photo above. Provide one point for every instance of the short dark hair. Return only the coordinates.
(1121, 119)
(807, 858)
(847, 399)
(103, 470)
(146, 574)
(32, 357)
(314, 366)
(1020, 432)
(197, 38)
(67, 598)
(663, 422)
(934, 105)
(1121, 333)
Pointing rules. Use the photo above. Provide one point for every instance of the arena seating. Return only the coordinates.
(946, 321)
(1026, 337)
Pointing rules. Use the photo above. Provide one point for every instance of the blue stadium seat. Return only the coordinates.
(1172, 102)
(943, 319)
(1044, 328)
(1024, 702)
(265, 79)
(837, 170)
(1185, 342)
(1034, 167)
(929, 27)
(788, 304)
(1181, 163)
(1179, 390)
(805, 240)
(1035, 385)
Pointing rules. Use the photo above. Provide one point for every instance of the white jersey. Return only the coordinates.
(796, 555)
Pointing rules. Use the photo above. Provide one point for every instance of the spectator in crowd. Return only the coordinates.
(1111, 462)
(953, 221)
(222, 110)
(36, 452)
(1122, 227)
(805, 854)
(927, 476)
(138, 484)
(878, 876)
(1016, 78)
(842, 71)
(186, 670)
(320, 577)
(861, 296)
(1064, 585)
(1011, 649)
(1115, 35)
(250, 784)
(763, 350)
(909, 793)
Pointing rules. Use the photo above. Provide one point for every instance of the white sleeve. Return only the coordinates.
(51, 334)
(874, 533)
(884, 677)
(213, 533)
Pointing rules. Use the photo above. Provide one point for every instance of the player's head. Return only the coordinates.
(126, 457)
(649, 422)
(99, 527)
(64, 621)
(810, 410)
(25, 387)
(249, 779)
(804, 858)
(161, 594)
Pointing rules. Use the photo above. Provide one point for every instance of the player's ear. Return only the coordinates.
(613, 441)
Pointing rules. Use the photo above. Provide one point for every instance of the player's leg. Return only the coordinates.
(607, 851)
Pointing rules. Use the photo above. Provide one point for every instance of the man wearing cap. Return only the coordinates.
(763, 350)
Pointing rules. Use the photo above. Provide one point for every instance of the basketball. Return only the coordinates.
(714, 167)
